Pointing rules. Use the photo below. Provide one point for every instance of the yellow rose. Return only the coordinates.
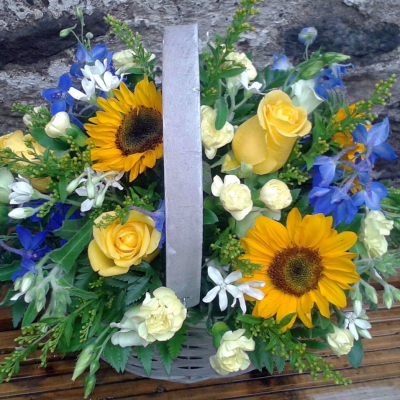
(15, 141)
(117, 247)
(265, 141)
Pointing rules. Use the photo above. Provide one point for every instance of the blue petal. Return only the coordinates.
(25, 237)
(75, 70)
(281, 62)
(372, 201)
(38, 240)
(75, 120)
(360, 134)
(378, 133)
(99, 51)
(321, 92)
(37, 254)
(64, 83)
(81, 54)
(48, 94)
(358, 199)
(69, 99)
(380, 189)
(58, 106)
(386, 151)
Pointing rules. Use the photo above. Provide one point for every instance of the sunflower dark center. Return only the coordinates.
(296, 270)
(141, 130)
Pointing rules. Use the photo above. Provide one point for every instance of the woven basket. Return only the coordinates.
(192, 364)
(183, 183)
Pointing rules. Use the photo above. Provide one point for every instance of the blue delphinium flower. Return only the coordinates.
(87, 57)
(374, 140)
(59, 96)
(325, 81)
(281, 63)
(31, 252)
(371, 196)
(307, 36)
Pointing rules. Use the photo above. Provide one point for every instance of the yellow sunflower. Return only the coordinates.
(305, 263)
(128, 134)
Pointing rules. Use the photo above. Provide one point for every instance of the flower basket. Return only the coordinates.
(219, 226)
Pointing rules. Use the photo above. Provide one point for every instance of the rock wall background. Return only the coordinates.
(32, 56)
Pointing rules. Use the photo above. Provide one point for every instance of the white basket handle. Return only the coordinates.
(182, 162)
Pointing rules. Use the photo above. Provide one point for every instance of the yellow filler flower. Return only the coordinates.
(305, 263)
(128, 133)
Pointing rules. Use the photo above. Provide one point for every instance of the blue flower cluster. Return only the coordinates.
(340, 187)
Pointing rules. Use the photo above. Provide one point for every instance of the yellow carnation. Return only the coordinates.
(117, 247)
(265, 141)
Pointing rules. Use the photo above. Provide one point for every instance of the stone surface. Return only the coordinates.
(32, 56)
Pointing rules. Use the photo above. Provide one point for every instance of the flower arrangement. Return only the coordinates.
(295, 226)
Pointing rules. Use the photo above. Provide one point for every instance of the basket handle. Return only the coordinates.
(182, 162)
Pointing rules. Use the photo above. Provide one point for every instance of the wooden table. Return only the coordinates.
(377, 378)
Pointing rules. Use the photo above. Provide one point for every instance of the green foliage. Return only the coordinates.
(65, 256)
(145, 355)
(117, 356)
(39, 118)
(275, 346)
(228, 249)
(18, 310)
(141, 57)
(356, 354)
(7, 270)
(176, 342)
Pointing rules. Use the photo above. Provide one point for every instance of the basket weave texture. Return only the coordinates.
(192, 364)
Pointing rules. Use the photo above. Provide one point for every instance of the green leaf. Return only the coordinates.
(176, 342)
(222, 113)
(230, 73)
(30, 314)
(285, 320)
(46, 141)
(18, 310)
(268, 361)
(356, 354)
(166, 358)
(249, 319)
(73, 291)
(68, 330)
(315, 344)
(66, 256)
(115, 283)
(209, 217)
(360, 249)
(62, 186)
(117, 356)
(218, 330)
(280, 363)
(145, 355)
(69, 228)
(7, 270)
(136, 291)
(256, 355)
(128, 278)
(134, 71)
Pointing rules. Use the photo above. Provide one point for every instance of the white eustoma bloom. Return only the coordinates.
(6, 180)
(248, 289)
(23, 212)
(23, 285)
(340, 341)
(21, 191)
(244, 80)
(276, 195)
(89, 87)
(232, 352)
(58, 125)
(89, 71)
(235, 197)
(374, 228)
(223, 286)
(107, 82)
(212, 138)
(357, 324)
(128, 335)
(303, 95)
